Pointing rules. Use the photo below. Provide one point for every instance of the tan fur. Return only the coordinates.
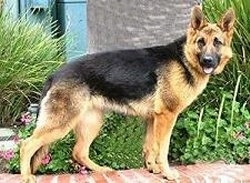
(177, 89)
(68, 106)
(86, 131)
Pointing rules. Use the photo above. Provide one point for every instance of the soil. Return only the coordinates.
(3, 168)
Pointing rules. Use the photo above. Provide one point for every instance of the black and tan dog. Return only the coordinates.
(156, 83)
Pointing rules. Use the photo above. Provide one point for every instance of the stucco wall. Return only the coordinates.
(120, 24)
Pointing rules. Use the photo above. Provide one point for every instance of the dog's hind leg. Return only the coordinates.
(86, 131)
(59, 113)
(41, 137)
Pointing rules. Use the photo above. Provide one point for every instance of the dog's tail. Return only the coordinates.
(47, 85)
(41, 156)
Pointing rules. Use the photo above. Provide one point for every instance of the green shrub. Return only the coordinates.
(212, 134)
(28, 54)
(120, 142)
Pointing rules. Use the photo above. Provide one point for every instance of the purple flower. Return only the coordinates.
(46, 159)
(26, 118)
(7, 155)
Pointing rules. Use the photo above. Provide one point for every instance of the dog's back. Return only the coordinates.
(120, 76)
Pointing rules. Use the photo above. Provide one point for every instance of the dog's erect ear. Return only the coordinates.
(227, 21)
(197, 18)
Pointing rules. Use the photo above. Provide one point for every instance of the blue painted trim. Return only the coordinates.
(72, 18)
(71, 1)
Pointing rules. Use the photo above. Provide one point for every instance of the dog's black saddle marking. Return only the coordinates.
(123, 75)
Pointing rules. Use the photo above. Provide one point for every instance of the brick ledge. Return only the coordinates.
(207, 173)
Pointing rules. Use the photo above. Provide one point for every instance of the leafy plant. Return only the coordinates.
(120, 143)
(211, 135)
(28, 54)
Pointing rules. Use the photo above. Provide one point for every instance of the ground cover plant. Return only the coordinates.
(216, 127)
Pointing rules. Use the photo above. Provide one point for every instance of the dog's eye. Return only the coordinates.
(201, 42)
(217, 42)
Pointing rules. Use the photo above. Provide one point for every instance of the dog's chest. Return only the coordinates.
(188, 93)
(176, 89)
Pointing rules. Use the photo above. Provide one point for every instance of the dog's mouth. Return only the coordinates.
(208, 70)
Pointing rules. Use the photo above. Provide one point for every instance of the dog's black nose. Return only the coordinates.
(208, 60)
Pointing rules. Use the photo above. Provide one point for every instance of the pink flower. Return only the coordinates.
(46, 159)
(7, 155)
(26, 118)
(16, 139)
(83, 170)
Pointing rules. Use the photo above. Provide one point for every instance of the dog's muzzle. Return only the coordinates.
(209, 63)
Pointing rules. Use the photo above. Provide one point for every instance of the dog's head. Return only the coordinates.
(208, 45)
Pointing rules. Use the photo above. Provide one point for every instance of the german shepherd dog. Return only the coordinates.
(156, 83)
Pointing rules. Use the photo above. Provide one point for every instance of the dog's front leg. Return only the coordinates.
(157, 141)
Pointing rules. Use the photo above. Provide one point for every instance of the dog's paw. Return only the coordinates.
(171, 174)
(29, 179)
(153, 167)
